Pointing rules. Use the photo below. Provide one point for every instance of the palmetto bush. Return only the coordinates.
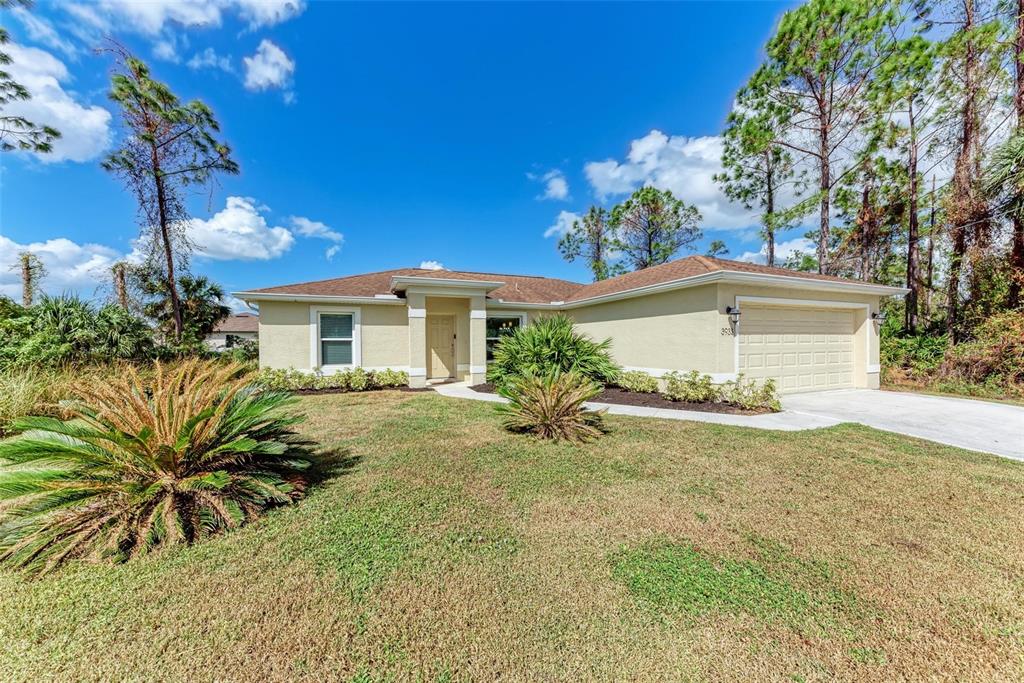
(551, 345)
(551, 406)
(145, 464)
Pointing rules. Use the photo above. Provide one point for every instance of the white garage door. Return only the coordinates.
(802, 349)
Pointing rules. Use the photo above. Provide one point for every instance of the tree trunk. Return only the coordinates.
(27, 285)
(769, 213)
(911, 302)
(120, 285)
(930, 266)
(825, 187)
(1017, 248)
(963, 180)
(165, 238)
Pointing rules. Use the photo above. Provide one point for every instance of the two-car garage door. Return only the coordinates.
(801, 348)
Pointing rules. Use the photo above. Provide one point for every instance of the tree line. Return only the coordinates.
(895, 128)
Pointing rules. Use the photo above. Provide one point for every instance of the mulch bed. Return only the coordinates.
(624, 397)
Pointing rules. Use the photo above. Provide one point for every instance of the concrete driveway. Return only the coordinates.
(975, 425)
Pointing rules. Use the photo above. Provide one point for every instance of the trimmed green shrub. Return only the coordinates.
(389, 379)
(750, 395)
(146, 464)
(637, 380)
(551, 345)
(356, 379)
(693, 387)
(551, 406)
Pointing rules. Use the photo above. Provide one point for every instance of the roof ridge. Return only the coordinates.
(484, 272)
(711, 263)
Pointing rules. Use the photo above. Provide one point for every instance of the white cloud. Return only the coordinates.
(239, 232)
(332, 251)
(42, 31)
(166, 50)
(85, 130)
(783, 250)
(268, 68)
(562, 225)
(310, 228)
(678, 163)
(152, 16)
(432, 265)
(209, 58)
(70, 267)
(236, 305)
(269, 12)
(555, 184)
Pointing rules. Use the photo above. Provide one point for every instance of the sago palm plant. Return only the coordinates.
(552, 345)
(551, 406)
(145, 464)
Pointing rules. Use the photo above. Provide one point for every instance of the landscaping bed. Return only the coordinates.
(625, 397)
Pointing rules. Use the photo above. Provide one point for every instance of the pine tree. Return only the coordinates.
(591, 239)
(17, 132)
(756, 169)
(652, 225)
(168, 146)
(821, 66)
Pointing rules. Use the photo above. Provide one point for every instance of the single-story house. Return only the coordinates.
(807, 331)
(233, 330)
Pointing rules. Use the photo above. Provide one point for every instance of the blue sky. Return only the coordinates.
(378, 136)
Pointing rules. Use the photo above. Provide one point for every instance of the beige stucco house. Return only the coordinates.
(809, 332)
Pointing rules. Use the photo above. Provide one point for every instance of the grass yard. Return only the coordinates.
(450, 550)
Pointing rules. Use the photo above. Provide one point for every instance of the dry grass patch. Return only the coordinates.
(452, 550)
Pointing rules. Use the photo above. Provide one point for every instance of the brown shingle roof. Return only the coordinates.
(242, 322)
(688, 266)
(517, 288)
(541, 290)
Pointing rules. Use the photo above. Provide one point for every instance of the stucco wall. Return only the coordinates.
(284, 335)
(385, 331)
(669, 331)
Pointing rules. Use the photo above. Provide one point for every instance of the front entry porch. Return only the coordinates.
(447, 336)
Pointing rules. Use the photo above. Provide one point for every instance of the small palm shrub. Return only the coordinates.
(693, 387)
(551, 406)
(639, 381)
(146, 464)
(551, 345)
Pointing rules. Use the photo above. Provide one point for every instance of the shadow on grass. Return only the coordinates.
(329, 464)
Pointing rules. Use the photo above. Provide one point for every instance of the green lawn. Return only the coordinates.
(450, 550)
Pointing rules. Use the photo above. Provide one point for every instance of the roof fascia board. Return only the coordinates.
(319, 298)
(738, 277)
(401, 282)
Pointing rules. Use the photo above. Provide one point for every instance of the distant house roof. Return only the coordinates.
(531, 289)
(240, 322)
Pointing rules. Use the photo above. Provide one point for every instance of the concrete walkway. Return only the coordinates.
(975, 425)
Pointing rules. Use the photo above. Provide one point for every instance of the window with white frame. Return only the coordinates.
(497, 327)
(336, 338)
